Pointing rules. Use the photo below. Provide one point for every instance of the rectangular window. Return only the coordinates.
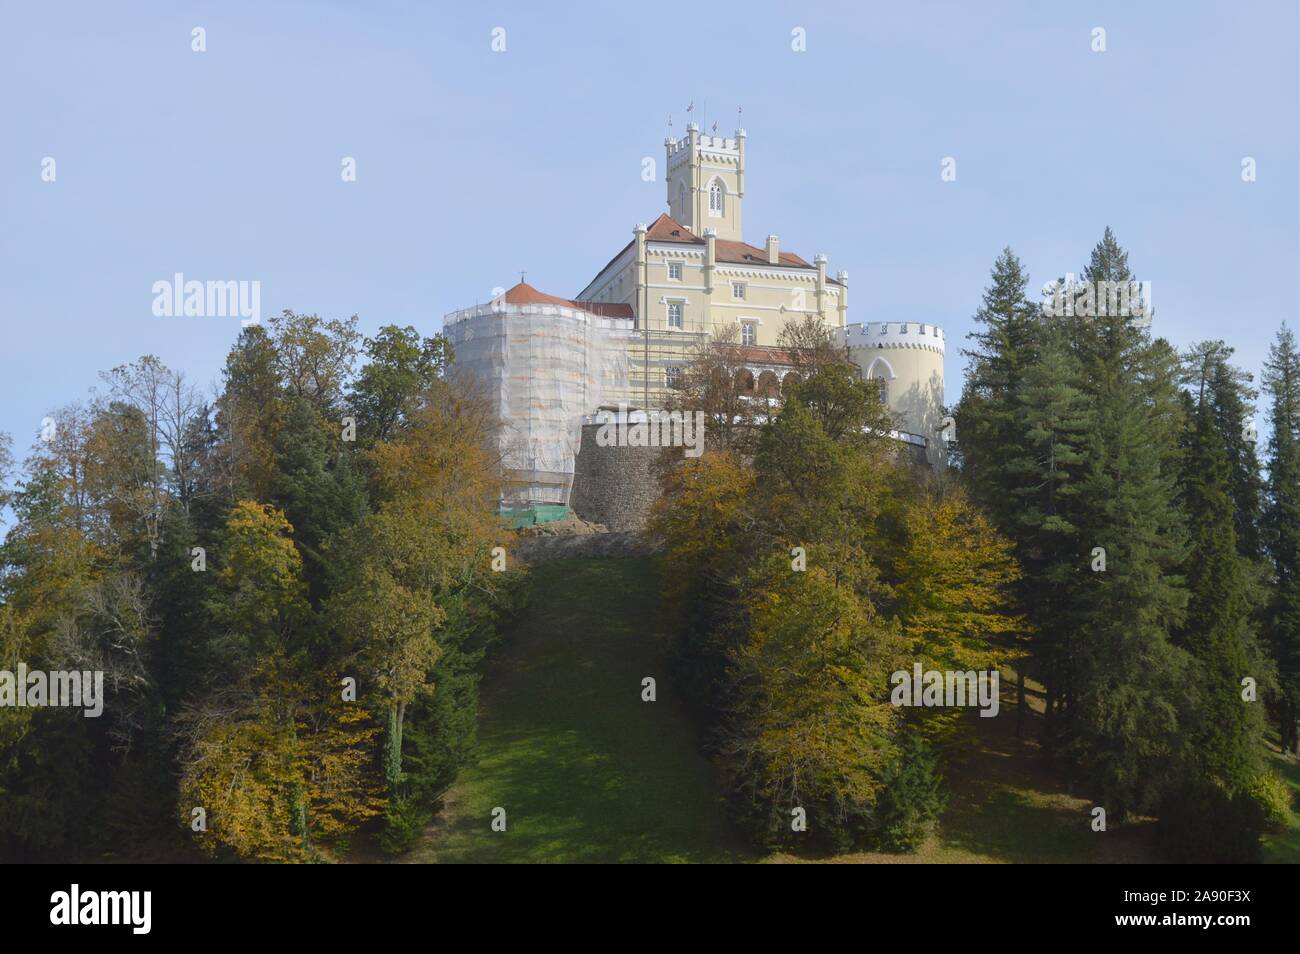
(674, 314)
(747, 333)
(738, 290)
(675, 271)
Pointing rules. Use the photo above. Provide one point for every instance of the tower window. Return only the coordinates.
(674, 314)
(715, 198)
(747, 333)
(675, 271)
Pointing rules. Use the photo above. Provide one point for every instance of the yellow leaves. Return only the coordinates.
(811, 676)
(261, 570)
(703, 504)
(251, 757)
(954, 573)
(259, 543)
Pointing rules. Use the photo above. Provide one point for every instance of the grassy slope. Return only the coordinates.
(588, 772)
(585, 770)
(1284, 847)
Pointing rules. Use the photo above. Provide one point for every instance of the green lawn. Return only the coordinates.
(587, 772)
(1284, 847)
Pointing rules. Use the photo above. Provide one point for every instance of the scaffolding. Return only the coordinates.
(544, 366)
(651, 353)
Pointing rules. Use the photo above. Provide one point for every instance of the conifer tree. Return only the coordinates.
(1231, 397)
(988, 417)
(1122, 677)
(1227, 737)
(991, 415)
(1281, 526)
(1045, 468)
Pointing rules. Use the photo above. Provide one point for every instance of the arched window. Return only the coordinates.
(715, 198)
(883, 384)
(881, 373)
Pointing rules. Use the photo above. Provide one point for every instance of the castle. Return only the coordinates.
(550, 363)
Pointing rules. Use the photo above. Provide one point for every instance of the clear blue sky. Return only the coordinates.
(473, 165)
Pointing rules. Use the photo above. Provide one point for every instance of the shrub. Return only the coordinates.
(913, 799)
(404, 820)
(1271, 792)
(1199, 821)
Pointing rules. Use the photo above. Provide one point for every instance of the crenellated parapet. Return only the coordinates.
(894, 334)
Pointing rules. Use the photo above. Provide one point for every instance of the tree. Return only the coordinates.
(955, 574)
(263, 606)
(1009, 426)
(319, 484)
(1228, 736)
(275, 767)
(401, 366)
(403, 573)
(1281, 527)
(1120, 680)
(389, 617)
(809, 726)
(1046, 469)
(712, 384)
(989, 416)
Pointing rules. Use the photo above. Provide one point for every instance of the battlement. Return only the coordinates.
(894, 334)
(717, 147)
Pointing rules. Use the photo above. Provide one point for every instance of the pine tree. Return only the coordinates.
(991, 415)
(1231, 397)
(1281, 526)
(988, 417)
(1045, 467)
(1122, 678)
(1227, 737)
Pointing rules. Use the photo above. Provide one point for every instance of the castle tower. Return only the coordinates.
(906, 358)
(706, 181)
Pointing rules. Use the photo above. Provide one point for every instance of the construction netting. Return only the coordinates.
(544, 366)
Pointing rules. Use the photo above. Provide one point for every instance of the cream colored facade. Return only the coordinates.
(690, 280)
(906, 357)
(689, 273)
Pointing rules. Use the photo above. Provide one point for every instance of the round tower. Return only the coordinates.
(906, 358)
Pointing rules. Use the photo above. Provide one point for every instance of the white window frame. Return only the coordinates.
(749, 329)
(680, 304)
(738, 291)
(719, 192)
(675, 271)
(672, 377)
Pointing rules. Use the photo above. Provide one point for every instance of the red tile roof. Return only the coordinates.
(667, 229)
(763, 354)
(741, 253)
(525, 294)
